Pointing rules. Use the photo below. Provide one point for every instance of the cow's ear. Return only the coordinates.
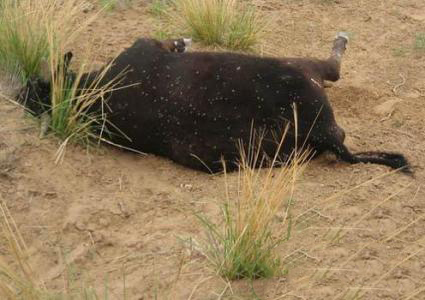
(67, 59)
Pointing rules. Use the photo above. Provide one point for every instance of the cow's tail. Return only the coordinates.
(390, 159)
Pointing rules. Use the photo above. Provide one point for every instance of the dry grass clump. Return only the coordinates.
(22, 284)
(24, 32)
(229, 23)
(242, 246)
(23, 39)
(72, 117)
(34, 35)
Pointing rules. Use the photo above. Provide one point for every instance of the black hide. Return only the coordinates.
(194, 107)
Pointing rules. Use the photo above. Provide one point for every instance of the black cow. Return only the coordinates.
(194, 107)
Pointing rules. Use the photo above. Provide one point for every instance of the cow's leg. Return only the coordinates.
(332, 66)
(176, 45)
(339, 47)
(67, 60)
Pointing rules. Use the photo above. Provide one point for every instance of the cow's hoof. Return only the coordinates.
(187, 42)
(343, 35)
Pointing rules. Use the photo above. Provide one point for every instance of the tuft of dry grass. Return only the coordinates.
(23, 284)
(24, 32)
(229, 23)
(23, 42)
(242, 246)
(72, 117)
(34, 37)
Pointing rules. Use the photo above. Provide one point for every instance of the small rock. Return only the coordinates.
(379, 214)
(98, 237)
(87, 7)
(368, 254)
(80, 226)
(398, 274)
(91, 227)
(103, 222)
(186, 186)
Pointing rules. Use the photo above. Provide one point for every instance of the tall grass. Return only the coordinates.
(229, 23)
(23, 39)
(22, 284)
(73, 118)
(243, 245)
(25, 27)
(34, 36)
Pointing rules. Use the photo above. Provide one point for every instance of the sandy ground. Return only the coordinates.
(118, 217)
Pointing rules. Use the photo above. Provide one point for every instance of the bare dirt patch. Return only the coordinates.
(109, 213)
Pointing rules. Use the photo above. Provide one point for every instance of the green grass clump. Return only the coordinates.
(228, 23)
(72, 118)
(243, 245)
(23, 37)
(158, 8)
(25, 29)
(34, 35)
(400, 52)
(112, 4)
(77, 104)
(420, 41)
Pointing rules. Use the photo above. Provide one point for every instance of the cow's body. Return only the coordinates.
(194, 107)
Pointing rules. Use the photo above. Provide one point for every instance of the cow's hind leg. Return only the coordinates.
(176, 45)
(332, 66)
(339, 47)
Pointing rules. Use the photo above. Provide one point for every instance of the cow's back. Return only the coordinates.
(202, 103)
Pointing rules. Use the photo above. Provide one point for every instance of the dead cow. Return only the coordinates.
(194, 107)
